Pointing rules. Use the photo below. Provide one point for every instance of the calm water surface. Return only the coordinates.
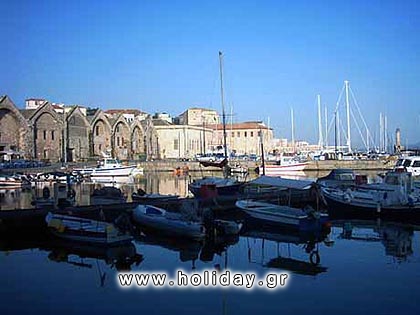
(366, 267)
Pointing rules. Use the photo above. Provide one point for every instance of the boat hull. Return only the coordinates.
(282, 215)
(276, 170)
(168, 226)
(342, 209)
(85, 230)
(112, 172)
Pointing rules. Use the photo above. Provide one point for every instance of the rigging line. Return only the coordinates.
(336, 108)
(361, 116)
(358, 128)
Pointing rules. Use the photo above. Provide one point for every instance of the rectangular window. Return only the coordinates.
(239, 134)
(233, 134)
(252, 134)
(97, 130)
(176, 144)
(118, 141)
(52, 134)
(45, 134)
(245, 134)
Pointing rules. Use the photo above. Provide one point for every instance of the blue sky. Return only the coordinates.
(163, 56)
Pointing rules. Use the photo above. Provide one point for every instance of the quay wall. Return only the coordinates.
(193, 166)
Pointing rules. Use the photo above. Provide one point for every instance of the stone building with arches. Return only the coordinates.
(46, 131)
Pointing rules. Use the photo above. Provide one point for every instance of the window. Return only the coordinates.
(233, 134)
(118, 141)
(252, 134)
(239, 134)
(45, 134)
(245, 134)
(407, 163)
(416, 164)
(259, 133)
(97, 130)
(52, 134)
(176, 144)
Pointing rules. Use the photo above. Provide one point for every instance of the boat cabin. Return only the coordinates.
(410, 163)
(108, 163)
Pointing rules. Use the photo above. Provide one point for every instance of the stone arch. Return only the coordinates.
(77, 135)
(151, 140)
(137, 141)
(100, 135)
(14, 131)
(121, 138)
(47, 128)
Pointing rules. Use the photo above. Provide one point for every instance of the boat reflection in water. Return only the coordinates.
(397, 238)
(121, 258)
(307, 241)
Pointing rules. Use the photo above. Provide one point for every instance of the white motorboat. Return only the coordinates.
(109, 167)
(396, 196)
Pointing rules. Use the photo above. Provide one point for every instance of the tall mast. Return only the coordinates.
(293, 129)
(320, 140)
(223, 102)
(326, 128)
(380, 133)
(346, 83)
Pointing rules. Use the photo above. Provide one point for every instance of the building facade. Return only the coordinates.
(47, 131)
(243, 138)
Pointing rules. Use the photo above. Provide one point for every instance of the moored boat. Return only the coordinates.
(142, 196)
(284, 165)
(85, 230)
(396, 197)
(107, 195)
(209, 187)
(14, 182)
(160, 221)
(109, 167)
(292, 217)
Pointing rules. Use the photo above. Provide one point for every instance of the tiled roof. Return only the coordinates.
(238, 126)
(123, 111)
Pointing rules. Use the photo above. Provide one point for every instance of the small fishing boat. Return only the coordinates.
(292, 217)
(208, 187)
(284, 165)
(85, 230)
(168, 223)
(142, 196)
(107, 195)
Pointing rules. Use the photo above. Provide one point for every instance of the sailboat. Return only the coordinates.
(212, 187)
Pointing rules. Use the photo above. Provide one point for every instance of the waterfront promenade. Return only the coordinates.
(194, 166)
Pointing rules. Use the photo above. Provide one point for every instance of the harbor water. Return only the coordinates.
(360, 267)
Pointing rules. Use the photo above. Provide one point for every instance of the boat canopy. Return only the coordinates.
(282, 182)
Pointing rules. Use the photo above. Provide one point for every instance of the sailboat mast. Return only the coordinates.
(320, 140)
(223, 102)
(346, 83)
(293, 129)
